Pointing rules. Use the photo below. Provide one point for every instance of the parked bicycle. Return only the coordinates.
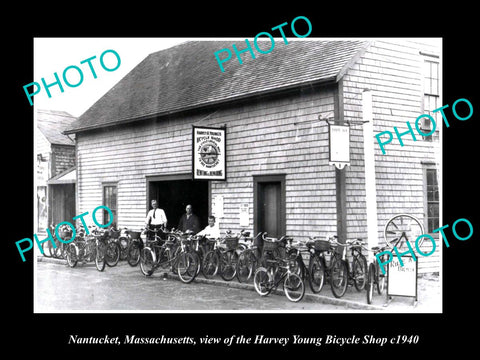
(344, 272)
(112, 251)
(135, 245)
(158, 253)
(376, 278)
(58, 250)
(248, 259)
(86, 247)
(124, 242)
(279, 271)
(221, 258)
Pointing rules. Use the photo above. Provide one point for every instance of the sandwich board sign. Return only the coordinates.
(402, 280)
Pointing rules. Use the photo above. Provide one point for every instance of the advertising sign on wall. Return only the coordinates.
(208, 146)
(339, 137)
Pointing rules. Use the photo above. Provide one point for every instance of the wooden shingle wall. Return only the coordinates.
(261, 140)
(393, 72)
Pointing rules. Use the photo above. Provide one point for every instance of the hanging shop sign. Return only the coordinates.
(208, 147)
(339, 144)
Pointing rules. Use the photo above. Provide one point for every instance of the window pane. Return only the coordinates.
(434, 87)
(110, 200)
(434, 70)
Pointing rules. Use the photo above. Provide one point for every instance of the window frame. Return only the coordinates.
(426, 168)
(115, 210)
(431, 96)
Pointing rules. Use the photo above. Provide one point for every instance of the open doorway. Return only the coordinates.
(174, 193)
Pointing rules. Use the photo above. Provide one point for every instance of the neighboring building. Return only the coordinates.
(135, 143)
(56, 175)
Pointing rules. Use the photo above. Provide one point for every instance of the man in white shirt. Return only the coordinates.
(155, 219)
(211, 231)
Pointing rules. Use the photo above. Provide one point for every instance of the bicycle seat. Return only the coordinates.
(355, 242)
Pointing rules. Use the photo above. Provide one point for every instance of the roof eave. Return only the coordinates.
(323, 81)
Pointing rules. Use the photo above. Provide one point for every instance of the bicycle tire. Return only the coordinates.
(147, 261)
(360, 270)
(187, 267)
(112, 254)
(123, 243)
(72, 258)
(228, 265)
(297, 265)
(316, 277)
(338, 276)
(133, 254)
(403, 223)
(262, 281)
(380, 279)
(294, 287)
(59, 252)
(100, 257)
(211, 264)
(370, 283)
(245, 266)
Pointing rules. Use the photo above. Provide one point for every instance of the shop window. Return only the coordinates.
(432, 202)
(110, 200)
(431, 97)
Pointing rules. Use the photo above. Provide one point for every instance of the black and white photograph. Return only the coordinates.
(278, 182)
(262, 183)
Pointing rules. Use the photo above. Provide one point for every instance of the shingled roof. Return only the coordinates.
(52, 123)
(187, 76)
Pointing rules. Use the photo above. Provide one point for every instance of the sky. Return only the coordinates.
(55, 54)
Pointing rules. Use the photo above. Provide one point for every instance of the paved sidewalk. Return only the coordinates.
(429, 293)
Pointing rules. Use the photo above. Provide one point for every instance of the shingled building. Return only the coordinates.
(135, 143)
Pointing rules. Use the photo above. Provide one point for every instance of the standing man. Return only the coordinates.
(156, 219)
(189, 221)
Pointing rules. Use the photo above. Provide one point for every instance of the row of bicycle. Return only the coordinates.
(268, 262)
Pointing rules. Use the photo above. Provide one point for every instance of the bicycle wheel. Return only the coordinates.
(123, 243)
(402, 228)
(133, 254)
(262, 281)
(294, 287)
(359, 272)
(211, 264)
(296, 263)
(245, 266)
(316, 277)
(48, 249)
(59, 251)
(380, 278)
(338, 276)
(228, 265)
(72, 257)
(112, 254)
(100, 257)
(370, 283)
(199, 258)
(187, 267)
(147, 261)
